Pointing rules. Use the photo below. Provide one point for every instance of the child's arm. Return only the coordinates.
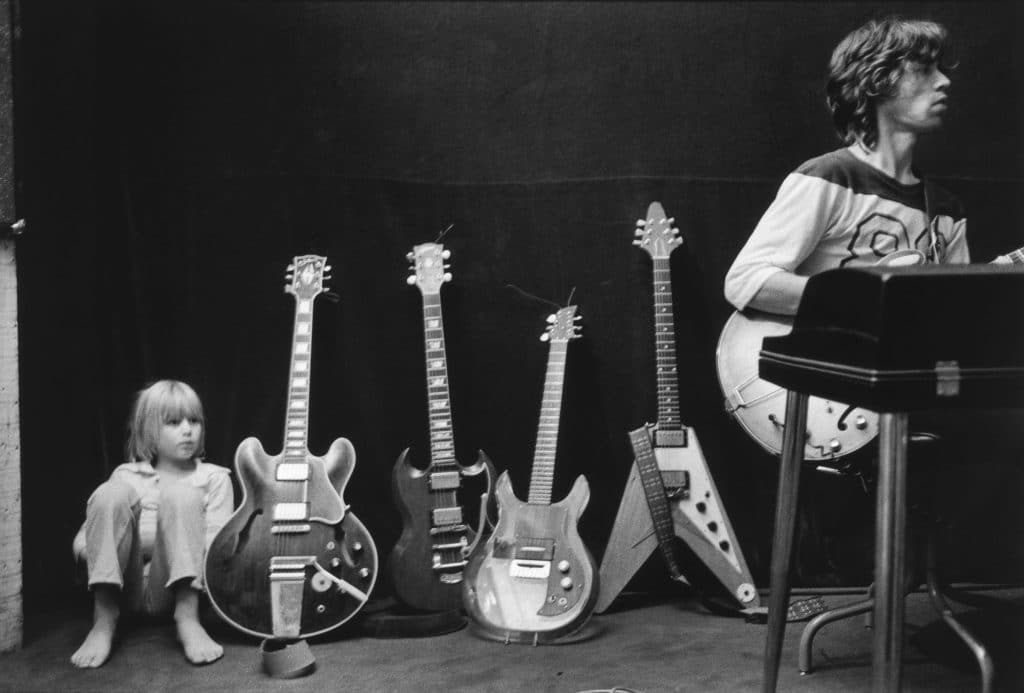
(220, 503)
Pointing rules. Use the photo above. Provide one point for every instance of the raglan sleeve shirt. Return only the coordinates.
(788, 232)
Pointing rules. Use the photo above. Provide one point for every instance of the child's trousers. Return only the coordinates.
(116, 550)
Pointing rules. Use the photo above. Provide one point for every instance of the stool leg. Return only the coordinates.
(822, 620)
(986, 667)
(890, 549)
(785, 531)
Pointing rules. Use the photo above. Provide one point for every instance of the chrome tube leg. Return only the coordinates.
(785, 532)
(822, 620)
(986, 667)
(890, 550)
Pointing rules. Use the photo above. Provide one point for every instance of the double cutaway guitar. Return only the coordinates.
(293, 562)
(533, 580)
(834, 429)
(426, 564)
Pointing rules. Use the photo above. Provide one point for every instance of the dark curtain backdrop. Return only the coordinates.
(175, 156)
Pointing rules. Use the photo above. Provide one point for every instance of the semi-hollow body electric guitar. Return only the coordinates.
(533, 580)
(669, 493)
(293, 562)
(834, 429)
(427, 562)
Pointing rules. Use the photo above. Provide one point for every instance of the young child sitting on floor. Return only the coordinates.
(147, 528)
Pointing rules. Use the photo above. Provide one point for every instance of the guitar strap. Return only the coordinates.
(933, 239)
(657, 498)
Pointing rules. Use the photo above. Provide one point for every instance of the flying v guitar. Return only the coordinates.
(426, 564)
(669, 493)
(292, 562)
(533, 580)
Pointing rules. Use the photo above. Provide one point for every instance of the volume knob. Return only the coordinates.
(563, 566)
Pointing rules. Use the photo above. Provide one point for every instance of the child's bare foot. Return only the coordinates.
(95, 650)
(199, 647)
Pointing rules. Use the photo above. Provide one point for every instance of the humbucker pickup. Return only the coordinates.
(670, 439)
(443, 481)
(295, 512)
(677, 483)
(447, 516)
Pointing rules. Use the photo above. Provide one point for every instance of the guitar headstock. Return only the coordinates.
(307, 276)
(562, 326)
(429, 270)
(655, 234)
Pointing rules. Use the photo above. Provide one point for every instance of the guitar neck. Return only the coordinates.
(547, 430)
(442, 436)
(297, 413)
(1016, 256)
(665, 347)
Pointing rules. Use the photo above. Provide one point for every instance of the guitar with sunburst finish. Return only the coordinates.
(293, 561)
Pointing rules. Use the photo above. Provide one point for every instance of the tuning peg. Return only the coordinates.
(551, 318)
(290, 268)
(447, 276)
(641, 222)
(638, 232)
(446, 254)
(327, 277)
(670, 221)
(545, 337)
(577, 318)
(411, 279)
(409, 256)
(638, 243)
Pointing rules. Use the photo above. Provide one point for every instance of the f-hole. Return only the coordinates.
(841, 424)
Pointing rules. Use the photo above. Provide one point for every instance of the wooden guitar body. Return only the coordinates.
(698, 518)
(533, 580)
(427, 562)
(329, 559)
(834, 429)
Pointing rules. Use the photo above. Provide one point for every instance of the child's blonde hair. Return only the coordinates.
(162, 402)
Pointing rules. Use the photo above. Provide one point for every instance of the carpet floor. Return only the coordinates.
(645, 643)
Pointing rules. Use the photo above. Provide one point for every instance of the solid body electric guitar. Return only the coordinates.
(533, 580)
(670, 493)
(426, 564)
(292, 561)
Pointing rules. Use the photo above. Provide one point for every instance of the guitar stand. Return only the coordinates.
(389, 618)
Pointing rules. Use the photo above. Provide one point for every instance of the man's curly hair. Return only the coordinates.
(867, 64)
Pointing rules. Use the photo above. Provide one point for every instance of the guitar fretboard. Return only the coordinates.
(442, 437)
(297, 413)
(1016, 256)
(543, 472)
(665, 347)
